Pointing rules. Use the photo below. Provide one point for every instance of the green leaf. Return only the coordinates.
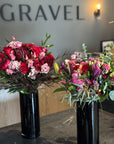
(24, 92)
(60, 89)
(77, 85)
(72, 88)
(111, 95)
(47, 46)
(5, 80)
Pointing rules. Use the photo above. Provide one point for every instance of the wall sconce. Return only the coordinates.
(97, 12)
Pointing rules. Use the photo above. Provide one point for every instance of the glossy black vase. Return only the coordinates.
(88, 123)
(30, 120)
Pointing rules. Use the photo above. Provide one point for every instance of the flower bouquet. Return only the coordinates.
(23, 67)
(85, 79)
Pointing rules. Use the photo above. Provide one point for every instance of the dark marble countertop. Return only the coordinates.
(59, 128)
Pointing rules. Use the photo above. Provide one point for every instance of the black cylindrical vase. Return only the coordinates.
(30, 120)
(88, 123)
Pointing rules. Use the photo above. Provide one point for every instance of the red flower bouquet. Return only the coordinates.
(25, 66)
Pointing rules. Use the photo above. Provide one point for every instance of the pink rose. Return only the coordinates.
(9, 72)
(45, 68)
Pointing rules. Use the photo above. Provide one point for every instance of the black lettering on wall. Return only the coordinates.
(12, 18)
(40, 9)
(78, 14)
(22, 12)
(66, 12)
(52, 12)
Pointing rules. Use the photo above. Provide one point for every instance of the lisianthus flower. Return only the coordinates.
(45, 68)
(75, 76)
(9, 71)
(42, 55)
(33, 73)
(30, 62)
(10, 52)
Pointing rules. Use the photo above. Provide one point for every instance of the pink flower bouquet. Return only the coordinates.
(24, 66)
(84, 80)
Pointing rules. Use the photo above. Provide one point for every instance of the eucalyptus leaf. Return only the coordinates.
(111, 95)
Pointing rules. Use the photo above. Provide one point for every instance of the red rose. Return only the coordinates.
(37, 65)
(4, 65)
(85, 68)
(105, 76)
(2, 56)
(9, 51)
(76, 67)
(24, 68)
(48, 59)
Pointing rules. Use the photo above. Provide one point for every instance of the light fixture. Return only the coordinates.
(97, 12)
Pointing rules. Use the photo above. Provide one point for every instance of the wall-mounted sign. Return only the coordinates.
(24, 12)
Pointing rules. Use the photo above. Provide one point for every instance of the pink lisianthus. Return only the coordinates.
(75, 76)
(79, 82)
(30, 62)
(12, 56)
(45, 68)
(9, 71)
(42, 55)
(105, 67)
(33, 73)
